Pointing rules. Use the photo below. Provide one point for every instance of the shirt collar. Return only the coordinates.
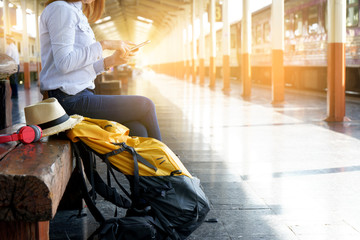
(78, 5)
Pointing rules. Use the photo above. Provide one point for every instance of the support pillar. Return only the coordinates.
(37, 42)
(336, 61)
(238, 50)
(25, 48)
(188, 45)
(201, 44)
(226, 45)
(188, 69)
(182, 37)
(179, 42)
(277, 36)
(246, 50)
(193, 52)
(212, 65)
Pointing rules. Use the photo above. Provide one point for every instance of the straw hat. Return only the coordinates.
(50, 117)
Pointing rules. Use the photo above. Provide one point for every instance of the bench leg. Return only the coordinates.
(42, 230)
(72, 198)
(24, 230)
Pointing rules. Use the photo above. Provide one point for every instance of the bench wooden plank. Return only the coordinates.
(110, 87)
(24, 230)
(33, 178)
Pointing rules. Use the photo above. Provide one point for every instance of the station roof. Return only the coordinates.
(133, 20)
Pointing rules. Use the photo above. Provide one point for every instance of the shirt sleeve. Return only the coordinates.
(99, 66)
(62, 23)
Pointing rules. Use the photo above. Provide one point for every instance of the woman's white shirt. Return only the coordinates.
(70, 56)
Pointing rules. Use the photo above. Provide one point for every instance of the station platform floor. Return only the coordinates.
(273, 172)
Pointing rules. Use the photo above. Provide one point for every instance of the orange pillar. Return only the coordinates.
(201, 44)
(38, 70)
(202, 71)
(212, 64)
(212, 72)
(182, 38)
(336, 61)
(193, 52)
(246, 74)
(181, 70)
(246, 50)
(277, 75)
(238, 50)
(193, 70)
(188, 70)
(188, 45)
(226, 45)
(277, 36)
(226, 73)
(26, 75)
(25, 47)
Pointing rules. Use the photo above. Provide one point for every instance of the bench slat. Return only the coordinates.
(33, 178)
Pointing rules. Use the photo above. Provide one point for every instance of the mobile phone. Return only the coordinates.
(139, 45)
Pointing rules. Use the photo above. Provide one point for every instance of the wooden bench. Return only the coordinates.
(107, 87)
(33, 179)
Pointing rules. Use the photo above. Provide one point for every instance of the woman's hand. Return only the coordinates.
(117, 58)
(123, 47)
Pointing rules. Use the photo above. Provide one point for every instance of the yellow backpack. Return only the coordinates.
(161, 187)
(104, 136)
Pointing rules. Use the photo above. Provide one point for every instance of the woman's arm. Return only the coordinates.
(122, 46)
(62, 23)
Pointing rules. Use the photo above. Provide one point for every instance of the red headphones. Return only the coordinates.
(26, 134)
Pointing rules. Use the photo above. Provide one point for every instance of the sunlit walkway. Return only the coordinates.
(270, 172)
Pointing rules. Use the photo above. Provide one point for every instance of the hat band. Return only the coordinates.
(54, 122)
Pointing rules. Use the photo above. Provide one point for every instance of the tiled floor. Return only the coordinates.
(275, 172)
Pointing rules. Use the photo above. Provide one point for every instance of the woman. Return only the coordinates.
(71, 58)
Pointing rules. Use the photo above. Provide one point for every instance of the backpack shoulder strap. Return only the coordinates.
(110, 167)
(93, 209)
(106, 191)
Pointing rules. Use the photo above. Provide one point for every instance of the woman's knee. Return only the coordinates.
(146, 103)
(137, 129)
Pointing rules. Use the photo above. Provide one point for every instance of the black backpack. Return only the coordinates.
(158, 207)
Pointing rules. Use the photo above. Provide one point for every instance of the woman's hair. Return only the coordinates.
(92, 11)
